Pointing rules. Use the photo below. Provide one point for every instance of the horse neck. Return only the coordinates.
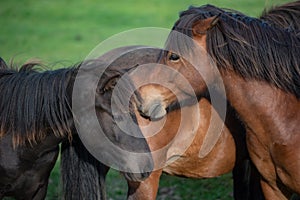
(259, 103)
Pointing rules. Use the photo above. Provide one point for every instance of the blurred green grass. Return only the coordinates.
(68, 30)
(65, 30)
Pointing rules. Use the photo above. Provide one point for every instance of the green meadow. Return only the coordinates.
(61, 33)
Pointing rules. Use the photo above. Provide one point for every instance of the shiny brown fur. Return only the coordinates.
(182, 146)
(228, 154)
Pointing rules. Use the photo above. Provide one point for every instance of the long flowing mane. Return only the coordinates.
(285, 16)
(251, 47)
(34, 104)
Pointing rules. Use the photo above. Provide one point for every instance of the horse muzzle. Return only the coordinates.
(153, 110)
(136, 177)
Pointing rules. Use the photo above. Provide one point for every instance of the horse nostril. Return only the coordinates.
(142, 112)
(156, 111)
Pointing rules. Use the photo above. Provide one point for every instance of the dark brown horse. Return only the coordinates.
(36, 115)
(83, 176)
(259, 66)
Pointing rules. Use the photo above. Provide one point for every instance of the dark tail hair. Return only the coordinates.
(246, 178)
(246, 181)
(83, 176)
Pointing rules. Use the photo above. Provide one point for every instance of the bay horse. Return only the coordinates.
(36, 115)
(258, 65)
(189, 165)
(76, 162)
(229, 154)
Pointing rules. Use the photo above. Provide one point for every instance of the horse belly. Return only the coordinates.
(219, 161)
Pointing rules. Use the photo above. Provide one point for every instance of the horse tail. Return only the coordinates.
(247, 181)
(246, 178)
(83, 176)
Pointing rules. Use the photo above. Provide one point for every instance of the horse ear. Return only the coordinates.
(2, 64)
(202, 26)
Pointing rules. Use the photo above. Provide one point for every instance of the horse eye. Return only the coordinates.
(174, 57)
(110, 85)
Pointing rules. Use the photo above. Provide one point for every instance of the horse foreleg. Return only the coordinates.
(272, 193)
(146, 190)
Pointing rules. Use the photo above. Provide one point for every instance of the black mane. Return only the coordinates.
(251, 47)
(285, 16)
(35, 103)
(32, 103)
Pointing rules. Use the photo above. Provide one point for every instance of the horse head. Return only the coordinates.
(112, 96)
